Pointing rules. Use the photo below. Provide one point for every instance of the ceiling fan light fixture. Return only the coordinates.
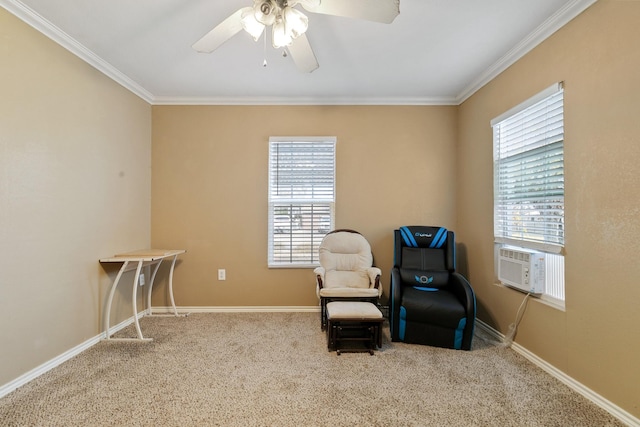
(265, 11)
(295, 21)
(250, 24)
(280, 37)
(289, 25)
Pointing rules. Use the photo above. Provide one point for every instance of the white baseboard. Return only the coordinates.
(578, 387)
(47, 366)
(240, 309)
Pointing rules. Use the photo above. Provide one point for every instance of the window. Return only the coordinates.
(529, 181)
(301, 198)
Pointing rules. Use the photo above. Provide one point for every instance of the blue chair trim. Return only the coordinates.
(402, 325)
(437, 242)
(473, 327)
(407, 237)
(392, 310)
(457, 343)
(441, 237)
(422, 288)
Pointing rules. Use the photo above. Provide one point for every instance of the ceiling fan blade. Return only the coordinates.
(384, 11)
(302, 54)
(221, 33)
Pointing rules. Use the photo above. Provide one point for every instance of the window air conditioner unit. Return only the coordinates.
(522, 270)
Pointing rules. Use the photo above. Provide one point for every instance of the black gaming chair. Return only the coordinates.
(430, 303)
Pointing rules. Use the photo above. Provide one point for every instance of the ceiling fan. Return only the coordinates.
(288, 24)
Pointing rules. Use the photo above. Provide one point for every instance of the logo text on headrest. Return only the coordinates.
(427, 235)
(424, 279)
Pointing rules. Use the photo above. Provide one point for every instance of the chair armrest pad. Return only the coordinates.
(463, 290)
(374, 278)
(373, 272)
(319, 272)
(394, 302)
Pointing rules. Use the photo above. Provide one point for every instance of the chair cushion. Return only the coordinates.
(346, 279)
(352, 310)
(433, 306)
(349, 292)
(345, 251)
(423, 258)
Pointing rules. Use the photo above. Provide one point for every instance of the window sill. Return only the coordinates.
(544, 299)
(552, 302)
(293, 266)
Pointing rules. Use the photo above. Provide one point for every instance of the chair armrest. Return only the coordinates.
(394, 302)
(464, 292)
(460, 286)
(319, 272)
(374, 278)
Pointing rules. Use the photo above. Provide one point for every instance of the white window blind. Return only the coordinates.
(529, 173)
(301, 198)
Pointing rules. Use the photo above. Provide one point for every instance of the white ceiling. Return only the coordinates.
(435, 52)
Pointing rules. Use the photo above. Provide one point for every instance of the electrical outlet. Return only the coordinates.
(222, 274)
(141, 280)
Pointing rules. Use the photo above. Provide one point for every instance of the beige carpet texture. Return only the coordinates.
(273, 369)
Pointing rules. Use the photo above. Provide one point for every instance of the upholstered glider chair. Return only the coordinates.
(346, 271)
(431, 303)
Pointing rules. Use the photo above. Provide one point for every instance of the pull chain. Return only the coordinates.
(264, 63)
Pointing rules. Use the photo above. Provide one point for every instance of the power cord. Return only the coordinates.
(513, 328)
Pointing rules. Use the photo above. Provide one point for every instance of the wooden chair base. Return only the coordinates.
(359, 330)
(326, 300)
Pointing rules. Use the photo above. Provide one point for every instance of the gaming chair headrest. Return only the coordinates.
(420, 236)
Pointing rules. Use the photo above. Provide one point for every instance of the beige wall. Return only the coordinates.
(597, 340)
(74, 187)
(394, 166)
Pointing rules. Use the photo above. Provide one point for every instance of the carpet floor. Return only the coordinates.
(273, 369)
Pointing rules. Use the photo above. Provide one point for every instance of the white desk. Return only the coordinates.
(136, 261)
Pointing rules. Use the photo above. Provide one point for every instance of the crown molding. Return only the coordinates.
(169, 100)
(32, 18)
(540, 34)
(39, 23)
(549, 27)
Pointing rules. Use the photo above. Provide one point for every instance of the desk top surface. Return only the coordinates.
(144, 255)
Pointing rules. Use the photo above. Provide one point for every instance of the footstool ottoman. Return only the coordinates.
(353, 326)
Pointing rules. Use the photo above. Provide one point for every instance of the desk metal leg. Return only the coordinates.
(173, 302)
(153, 278)
(107, 317)
(134, 299)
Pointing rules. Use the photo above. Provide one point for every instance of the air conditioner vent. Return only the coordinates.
(522, 270)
